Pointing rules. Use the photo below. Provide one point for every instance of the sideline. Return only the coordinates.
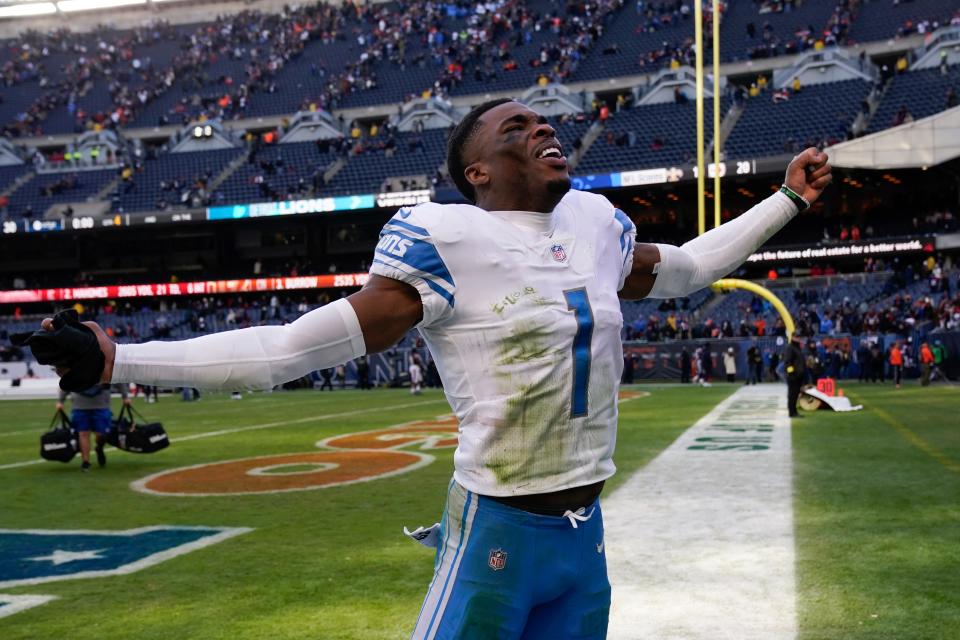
(701, 540)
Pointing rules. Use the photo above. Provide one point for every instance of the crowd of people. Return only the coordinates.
(817, 315)
(478, 41)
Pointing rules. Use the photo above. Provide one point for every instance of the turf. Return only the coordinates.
(876, 517)
(330, 563)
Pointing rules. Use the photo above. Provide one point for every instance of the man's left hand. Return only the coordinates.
(809, 174)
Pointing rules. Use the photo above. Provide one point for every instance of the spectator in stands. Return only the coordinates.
(952, 98)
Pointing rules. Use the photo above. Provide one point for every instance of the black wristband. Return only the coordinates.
(796, 198)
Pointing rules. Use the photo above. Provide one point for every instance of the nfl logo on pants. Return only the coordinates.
(498, 559)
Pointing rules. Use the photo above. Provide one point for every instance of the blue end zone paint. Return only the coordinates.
(38, 556)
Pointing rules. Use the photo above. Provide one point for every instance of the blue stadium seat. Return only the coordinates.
(922, 92)
(34, 195)
(822, 112)
(155, 182)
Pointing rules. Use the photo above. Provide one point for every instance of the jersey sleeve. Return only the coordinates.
(628, 238)
(407, 251)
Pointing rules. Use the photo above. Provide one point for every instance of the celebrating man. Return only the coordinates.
(517, 296)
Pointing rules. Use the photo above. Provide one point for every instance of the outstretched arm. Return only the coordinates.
(369, 321)
(666, 271)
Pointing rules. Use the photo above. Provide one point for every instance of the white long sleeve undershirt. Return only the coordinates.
(254, 358)
(703, 260)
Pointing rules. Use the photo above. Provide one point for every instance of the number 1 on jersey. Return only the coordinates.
(579, 303)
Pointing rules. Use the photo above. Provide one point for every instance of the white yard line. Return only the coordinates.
(700, 542)
(20, 433)
(267, 425)
(326, 416)
(17, 465)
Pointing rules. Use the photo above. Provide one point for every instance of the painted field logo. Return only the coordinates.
(36, 556)
(352, 458)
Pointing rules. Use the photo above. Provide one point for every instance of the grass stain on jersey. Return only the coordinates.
(532, 443)
(527, 342)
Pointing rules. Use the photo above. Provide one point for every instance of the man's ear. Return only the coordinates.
(476, 174)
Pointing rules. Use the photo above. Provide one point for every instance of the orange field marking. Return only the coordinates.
(247, 476)
(355, 457)
(433, 434)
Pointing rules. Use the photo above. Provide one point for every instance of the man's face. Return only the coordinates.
(515, 151)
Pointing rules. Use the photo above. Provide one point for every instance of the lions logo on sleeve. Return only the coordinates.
(407, 252)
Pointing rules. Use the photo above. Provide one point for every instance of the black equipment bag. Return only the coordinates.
(131, 432)
(59, 443)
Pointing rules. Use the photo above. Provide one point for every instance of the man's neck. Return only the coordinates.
(545, 204)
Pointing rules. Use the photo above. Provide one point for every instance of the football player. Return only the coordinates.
(517, 296)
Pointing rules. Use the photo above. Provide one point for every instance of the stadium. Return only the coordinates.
(179, 171)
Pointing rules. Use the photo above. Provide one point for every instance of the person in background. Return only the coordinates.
(774, 359)
(794, 365)
(415, 369)
(327, 376)
(896, 363)
(685, 366)
(90, 411)
(754, 365)
(939, 355)
(706, 365)
(363, 373)
(730, 365)
(926, 364)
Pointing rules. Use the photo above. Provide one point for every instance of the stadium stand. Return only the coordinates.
(32, 199)
(768, 28)
(882, 19)
(916, 94)
(280, 172)
(413, 154)
(817, 114)
(657, 135)
(171, 179)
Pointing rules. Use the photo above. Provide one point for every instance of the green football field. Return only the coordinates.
(877, 513)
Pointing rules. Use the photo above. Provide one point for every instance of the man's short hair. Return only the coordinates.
(459, 139)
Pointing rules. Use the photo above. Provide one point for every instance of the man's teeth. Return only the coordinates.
(552, 151)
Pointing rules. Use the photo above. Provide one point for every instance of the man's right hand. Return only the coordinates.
(107, 346)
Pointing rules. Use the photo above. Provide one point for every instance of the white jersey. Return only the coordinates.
(524, 326)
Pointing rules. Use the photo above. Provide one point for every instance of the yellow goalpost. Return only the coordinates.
(725, 284)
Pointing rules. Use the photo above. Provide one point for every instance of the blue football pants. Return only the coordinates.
(503, 573)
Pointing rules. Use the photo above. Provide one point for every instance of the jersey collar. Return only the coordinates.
(544, 223)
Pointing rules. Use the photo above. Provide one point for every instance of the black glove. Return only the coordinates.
(71, 345)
